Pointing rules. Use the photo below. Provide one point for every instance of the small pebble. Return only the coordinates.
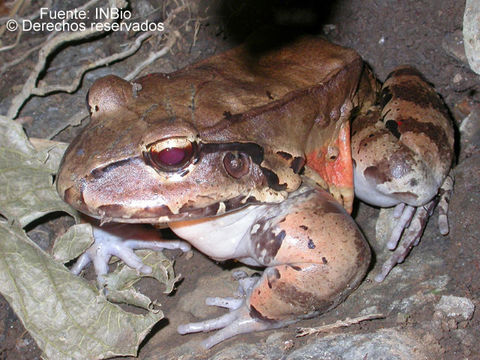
(456, 307)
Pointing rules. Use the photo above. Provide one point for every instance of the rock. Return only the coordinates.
(457, 78)
(329, 28)
(470, 132)
(456, 307)
(452, 43)
(385, 344)
(471, 34)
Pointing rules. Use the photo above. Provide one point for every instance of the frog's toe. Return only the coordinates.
(98, 254)
(238, 321)
(120, 240)
(228, 303)
(404, 214)
(81, 263)
(410, 238)
(124, 251)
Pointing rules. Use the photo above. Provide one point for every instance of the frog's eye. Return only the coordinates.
(237, 164)
(170, 155)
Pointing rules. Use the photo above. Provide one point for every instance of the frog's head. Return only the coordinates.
(137, 162)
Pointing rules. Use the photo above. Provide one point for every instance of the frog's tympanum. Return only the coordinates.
(255, 159)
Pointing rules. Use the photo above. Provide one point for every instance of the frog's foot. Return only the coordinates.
(237, 321)
(121, 240)
(416, 219)
(411, 222)
(405, 214)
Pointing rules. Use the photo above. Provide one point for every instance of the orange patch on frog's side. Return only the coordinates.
(337, 171)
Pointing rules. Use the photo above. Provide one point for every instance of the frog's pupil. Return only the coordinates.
(171, 156)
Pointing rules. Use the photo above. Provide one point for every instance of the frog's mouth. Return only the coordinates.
(130, 192)
(153, 214)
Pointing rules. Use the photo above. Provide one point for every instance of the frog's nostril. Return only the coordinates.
(74, 197)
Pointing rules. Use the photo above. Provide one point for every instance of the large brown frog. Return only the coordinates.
(255, 159)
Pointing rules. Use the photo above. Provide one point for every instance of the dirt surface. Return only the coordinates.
(386, 34)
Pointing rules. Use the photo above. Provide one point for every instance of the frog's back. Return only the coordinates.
(237, 82)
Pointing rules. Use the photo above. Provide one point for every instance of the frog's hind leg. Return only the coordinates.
(402, 148)
(315, 256)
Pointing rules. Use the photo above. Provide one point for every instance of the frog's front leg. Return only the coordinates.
(121, 240)
(403, 150)
(314, 255)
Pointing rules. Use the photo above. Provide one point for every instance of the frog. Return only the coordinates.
(257, 158)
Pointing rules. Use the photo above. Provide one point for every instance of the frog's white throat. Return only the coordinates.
(222, 237)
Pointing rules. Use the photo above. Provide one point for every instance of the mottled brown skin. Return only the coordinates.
(403, 143)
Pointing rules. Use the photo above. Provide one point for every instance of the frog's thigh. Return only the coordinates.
(403, 147)
(322, 258)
